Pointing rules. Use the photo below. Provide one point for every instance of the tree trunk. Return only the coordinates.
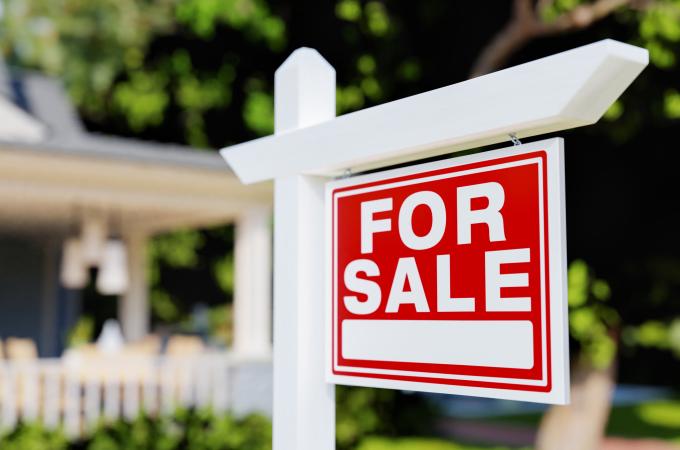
(581, 424)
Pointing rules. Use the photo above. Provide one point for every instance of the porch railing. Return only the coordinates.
(77, 394)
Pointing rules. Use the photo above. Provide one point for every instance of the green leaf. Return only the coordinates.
(349, 10)
(671, 104)
(614, 111)
(578, 283)
(258, 112)
(377, 19)
(142, 99)
(662, 413)
(224, 273)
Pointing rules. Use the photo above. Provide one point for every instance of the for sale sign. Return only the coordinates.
(450, 276)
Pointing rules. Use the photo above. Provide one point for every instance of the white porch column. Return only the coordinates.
(252, 283)
(133, 306)
(304, 404)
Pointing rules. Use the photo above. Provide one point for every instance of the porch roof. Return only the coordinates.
(51, 169)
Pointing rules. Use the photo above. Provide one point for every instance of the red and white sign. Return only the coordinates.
(450, 276)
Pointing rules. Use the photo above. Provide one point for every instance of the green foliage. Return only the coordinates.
(223, 270)
(595, 324)
(82, 332)
(253, 17)
(197, 430)
(177, 250)
(363, 412)
(142, 99)
(661, 21)
(366, 64)
(220, 321)
(175, 259)
(163, 306)
(552, 10)
(409, 70)
(349, 10)
(372, 79)
(379, 443)
(614, 111)
(671, 104)
(349, 98)
(101, 48)
(377, 18)
(654, 419)
(89, 46)
(33, 437)
(258, 111)
(654, 334)
(659, 418)
(358, 413)
(661, 413)
(659, 28)
(660, 55)
(592, 322)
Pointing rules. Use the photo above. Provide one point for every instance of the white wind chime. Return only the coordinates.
(93, 248)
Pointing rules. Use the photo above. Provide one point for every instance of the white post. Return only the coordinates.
(52, 395)
(133, 306)
(304, 404)
(131, 389)
(150, 391)
(168, 378)
(9, 385)
(203, 376)
(30, 390)
(92, 403)
(112, 394)
(72, 405)
(223, 379)
(252, 283)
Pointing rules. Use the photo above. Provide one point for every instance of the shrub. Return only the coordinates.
(194, 429)
(364, 412)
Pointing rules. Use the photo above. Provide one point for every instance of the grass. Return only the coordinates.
(658, 419)
(379, 443)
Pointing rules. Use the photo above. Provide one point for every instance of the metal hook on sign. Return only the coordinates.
(346, 174)
(514, 139)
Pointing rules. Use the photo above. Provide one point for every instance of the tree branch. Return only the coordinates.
(526, 24)
(582, 16)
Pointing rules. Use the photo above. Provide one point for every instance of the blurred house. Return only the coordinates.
(71, 200)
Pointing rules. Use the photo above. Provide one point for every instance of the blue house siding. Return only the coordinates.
(31, 303)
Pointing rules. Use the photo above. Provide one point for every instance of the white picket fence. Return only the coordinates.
(76, 395)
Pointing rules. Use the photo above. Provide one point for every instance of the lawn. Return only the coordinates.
(657, 419)
(379, 443)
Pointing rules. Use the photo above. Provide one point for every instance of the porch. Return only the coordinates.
(49, 197)
(71, 201)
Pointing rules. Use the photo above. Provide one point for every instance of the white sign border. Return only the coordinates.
(559, 343)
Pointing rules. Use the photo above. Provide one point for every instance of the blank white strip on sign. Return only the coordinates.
(488, 343)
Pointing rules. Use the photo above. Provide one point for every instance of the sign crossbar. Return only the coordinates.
(562, 91)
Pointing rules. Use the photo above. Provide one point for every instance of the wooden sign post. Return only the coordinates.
(311, 147)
